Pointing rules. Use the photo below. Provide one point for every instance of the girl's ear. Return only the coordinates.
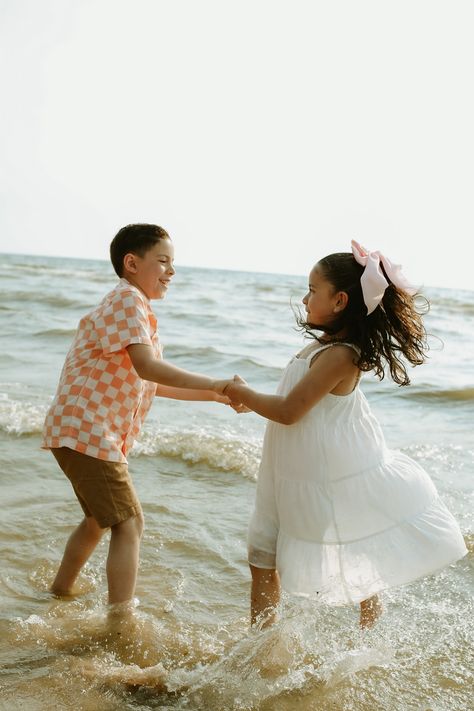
(130, 263)
(341, 301)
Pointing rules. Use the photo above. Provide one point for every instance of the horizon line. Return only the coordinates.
(214, 268)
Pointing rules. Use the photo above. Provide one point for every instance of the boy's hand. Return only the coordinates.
(240, 408)
(219, 386)
(223, 399)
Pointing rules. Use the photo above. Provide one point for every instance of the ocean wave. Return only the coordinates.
(211, 356)
(55, 299)
(57, 333)
(172, 351)
(462, 301)
(221, 451)
(39, 269)
(211, 318)
(439, 395)
(21, 418)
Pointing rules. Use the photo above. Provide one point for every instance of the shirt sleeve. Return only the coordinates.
(123, 321)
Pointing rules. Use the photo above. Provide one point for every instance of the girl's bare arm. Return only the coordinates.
(329, 370)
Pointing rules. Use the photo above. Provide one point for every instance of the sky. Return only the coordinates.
(262, 134)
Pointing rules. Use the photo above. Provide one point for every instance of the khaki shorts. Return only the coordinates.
(104, 489)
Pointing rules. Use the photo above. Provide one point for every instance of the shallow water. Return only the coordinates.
(189, 645)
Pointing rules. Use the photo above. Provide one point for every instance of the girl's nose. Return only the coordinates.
(171, 270)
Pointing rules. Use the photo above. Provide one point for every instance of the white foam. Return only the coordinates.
(20, 418)
(224, 451)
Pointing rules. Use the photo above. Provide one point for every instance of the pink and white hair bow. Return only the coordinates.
(373, 281)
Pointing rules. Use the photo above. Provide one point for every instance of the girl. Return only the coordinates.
(337, 514)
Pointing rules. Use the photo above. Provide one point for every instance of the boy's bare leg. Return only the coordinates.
(80, 545)
(370, 611)
(122, 561)
(264, 596)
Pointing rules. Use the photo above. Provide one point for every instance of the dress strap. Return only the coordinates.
(321, 348)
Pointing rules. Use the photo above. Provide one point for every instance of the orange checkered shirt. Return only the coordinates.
(101, 402)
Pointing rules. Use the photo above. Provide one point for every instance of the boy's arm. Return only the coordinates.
(149, 367)
(190, 394)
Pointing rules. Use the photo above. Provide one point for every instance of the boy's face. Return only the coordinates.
(151, 273)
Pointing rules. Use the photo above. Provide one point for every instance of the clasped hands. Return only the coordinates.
(228, 391)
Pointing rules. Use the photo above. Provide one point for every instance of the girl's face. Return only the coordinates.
(322, 302)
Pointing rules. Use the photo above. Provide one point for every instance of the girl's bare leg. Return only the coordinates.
(370, 611)
(265, 596)
(80, 545)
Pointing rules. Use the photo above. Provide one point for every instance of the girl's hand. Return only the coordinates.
(235, 403)
(232, 387)
(221, 386)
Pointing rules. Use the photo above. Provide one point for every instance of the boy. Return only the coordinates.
(106, 388)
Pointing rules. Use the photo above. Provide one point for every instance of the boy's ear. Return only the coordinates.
(130, 263)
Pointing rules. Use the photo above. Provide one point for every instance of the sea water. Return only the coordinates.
(189, 645)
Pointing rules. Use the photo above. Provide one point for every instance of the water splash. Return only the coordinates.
(314, 657)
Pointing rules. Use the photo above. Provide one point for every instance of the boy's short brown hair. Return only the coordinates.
(138, 239)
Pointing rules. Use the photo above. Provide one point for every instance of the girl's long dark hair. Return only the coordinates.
(394, 330)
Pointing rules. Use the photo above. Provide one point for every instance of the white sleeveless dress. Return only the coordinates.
(338, 514)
